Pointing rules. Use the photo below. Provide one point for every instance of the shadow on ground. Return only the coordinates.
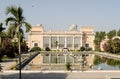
(36, 76)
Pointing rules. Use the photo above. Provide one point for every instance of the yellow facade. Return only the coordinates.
(72, 39)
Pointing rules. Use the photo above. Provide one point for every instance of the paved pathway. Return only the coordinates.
(7, 65)
(61, 75)
(111, 56)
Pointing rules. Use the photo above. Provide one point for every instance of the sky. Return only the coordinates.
(103, 15)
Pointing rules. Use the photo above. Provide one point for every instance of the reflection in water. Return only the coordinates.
(57, 62)
(102, 63)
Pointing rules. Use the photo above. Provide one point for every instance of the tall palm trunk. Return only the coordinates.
(20, 67)
(0, 41)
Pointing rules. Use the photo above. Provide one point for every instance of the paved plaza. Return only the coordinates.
(61, 75)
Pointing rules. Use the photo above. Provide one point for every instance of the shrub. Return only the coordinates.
(24, 47)
(47, 49)
(1, 53)
(9, 51)
(82, 48)
(35, 49)
(68, 66)
(89, 49)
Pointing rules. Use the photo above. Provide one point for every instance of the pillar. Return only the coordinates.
(65, 42)
(81, 41)
(65, 55)
(50, 42)
(73, 42)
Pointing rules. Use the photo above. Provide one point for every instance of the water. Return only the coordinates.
(104, 66)
(58, 61)
(103, 63)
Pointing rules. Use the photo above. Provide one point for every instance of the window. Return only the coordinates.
(35, 44)
(61, 42)
(69, 42)
(53, 40)
(77, 42)
(45, 41)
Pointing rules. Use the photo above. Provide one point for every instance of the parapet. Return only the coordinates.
(37, 28)
(87, 29)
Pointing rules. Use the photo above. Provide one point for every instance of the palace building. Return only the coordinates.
(72, 39)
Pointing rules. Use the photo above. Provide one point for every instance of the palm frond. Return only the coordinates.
(11, 30)
(1, 28)
(21, 31)
(20, 12)
(18, 28)
(28, 26)
(1, 24)
(10, 19)
(12, 10)
(17, 19)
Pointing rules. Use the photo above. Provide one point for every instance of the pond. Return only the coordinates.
(102, 63)
(53, 61)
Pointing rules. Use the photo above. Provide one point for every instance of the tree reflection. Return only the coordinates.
(99, 60)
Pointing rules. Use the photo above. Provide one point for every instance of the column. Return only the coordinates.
(73, 42)
(65, 55)
(81, 41)
(50, 41)
(65, 42)
(29, 41)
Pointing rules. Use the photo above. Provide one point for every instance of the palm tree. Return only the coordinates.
(1, 32)
(16, 22)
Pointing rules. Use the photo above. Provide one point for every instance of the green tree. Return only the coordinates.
(116, 46)
(111, 34)
(109, 44)
(113, 46)
(17, 21)
(1, 33)
(118, 32)
(99, 36)
(1, 53)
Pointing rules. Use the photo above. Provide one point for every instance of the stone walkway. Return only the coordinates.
(7, 65)
(61, 75)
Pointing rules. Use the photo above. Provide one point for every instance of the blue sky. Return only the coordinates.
(103, 15)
